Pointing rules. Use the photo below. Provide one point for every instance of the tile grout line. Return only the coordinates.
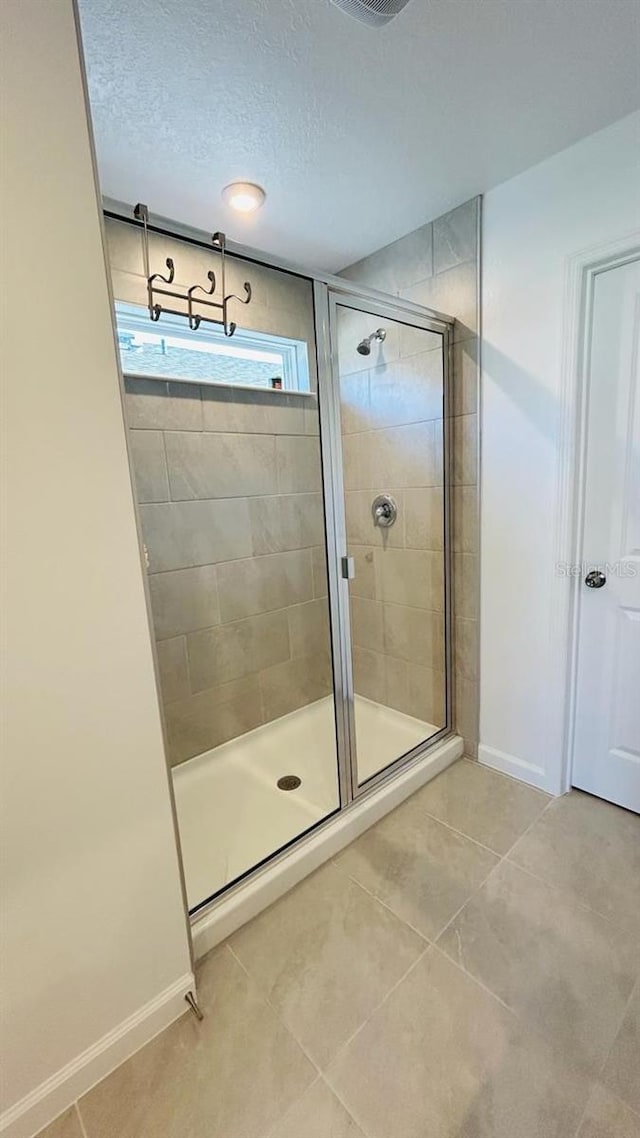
(506, 858)
(375, 897)
(276, 1011)
(557, 888)
(321, 1080)
(349, 1109)
(535, 821)
(464, 904)
(236, 619)
(292, 1106)
(287, 1029)
(80, 1119)
(571, 900)
(478, 983)
(501, 859)
(523, 1022)
(427, 945)
(636, 987)
(474, 762)
(320, 1074)
(597, 1081)
(632, 1110)
(229, 431)
(434, 943)
(576, 1133)
(383, 904)
(427, 948)
(510, 778)
(461, 833)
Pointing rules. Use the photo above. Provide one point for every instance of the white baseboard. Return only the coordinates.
(224, 917)
(54, 1096)
(517, 768)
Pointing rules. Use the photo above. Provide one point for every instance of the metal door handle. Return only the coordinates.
(595, 579)
(348, 568)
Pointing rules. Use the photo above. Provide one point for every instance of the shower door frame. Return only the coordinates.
(328, 291)
(329, 294)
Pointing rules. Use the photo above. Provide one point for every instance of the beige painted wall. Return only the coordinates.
(438, 266)
(230, 493)
(93, 924)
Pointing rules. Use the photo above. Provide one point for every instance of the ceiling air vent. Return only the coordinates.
(373, 12)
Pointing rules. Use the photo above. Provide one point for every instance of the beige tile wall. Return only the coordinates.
(229, 488)
(214, 559)
(437, 265)
(391, 412)
(280, 301)
(233, 526)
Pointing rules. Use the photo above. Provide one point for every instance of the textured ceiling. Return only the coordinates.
(358, 135)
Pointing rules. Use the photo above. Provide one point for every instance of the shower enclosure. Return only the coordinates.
(292, 490)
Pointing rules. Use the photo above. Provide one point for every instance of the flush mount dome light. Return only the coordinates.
(245, 197)
(372, 12)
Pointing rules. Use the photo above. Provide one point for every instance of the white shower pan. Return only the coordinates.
(232, 815)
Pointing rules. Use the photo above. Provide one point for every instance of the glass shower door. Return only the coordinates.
(291, 491)
(226, 451)
(389, 383)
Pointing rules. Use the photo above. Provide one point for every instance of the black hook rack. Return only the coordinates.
(160, 286)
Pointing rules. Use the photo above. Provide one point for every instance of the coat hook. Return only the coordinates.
(159, 285)
(159, 277)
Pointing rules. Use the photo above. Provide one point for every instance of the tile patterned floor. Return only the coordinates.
(469, 968)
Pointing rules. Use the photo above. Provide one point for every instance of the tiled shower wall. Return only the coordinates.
(391, 417)
(438, 265)
(229, 487)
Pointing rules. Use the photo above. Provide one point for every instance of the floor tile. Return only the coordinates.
(442, 1058)
(421, 869)
(621, 1074)
(607, 1117)
(231, 1076)
(325, 955)
(484, 805)
(67, 1126)
(318, 1114)
(564, 969)
(591, 849)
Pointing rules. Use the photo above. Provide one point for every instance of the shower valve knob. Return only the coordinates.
(384, 509)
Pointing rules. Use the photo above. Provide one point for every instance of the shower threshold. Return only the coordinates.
(233, 814)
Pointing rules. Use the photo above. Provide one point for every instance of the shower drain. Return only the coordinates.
(289, 782)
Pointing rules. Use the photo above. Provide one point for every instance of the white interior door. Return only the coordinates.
(607, 736)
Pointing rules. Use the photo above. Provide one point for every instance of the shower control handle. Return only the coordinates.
(384, 510)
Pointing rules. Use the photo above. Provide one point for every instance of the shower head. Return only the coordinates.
(364, 347)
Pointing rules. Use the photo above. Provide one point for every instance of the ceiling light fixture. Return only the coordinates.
(372, 12)
(245, 197)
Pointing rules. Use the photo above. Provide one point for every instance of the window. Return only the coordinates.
(169, 349)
